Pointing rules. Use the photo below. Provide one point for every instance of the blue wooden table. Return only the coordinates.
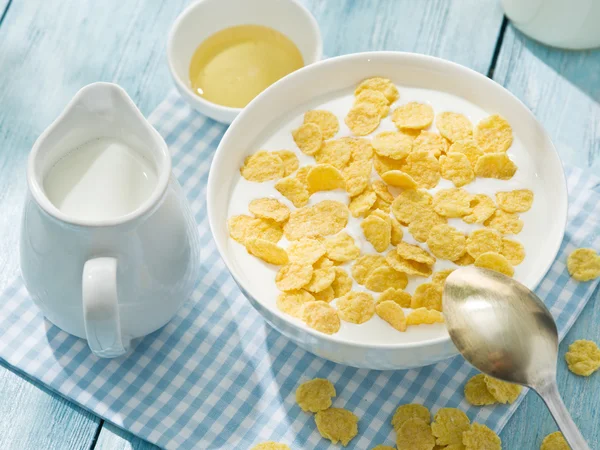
(49, 49)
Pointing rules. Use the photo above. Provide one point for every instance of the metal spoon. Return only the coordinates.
(506, 331)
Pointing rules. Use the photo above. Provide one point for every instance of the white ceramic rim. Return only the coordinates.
(220, 108)
(163, 169)
(287, 82)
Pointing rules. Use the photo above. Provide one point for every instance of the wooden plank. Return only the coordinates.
(463, 31)
(562, 88)
(34, 418)
(113, 438)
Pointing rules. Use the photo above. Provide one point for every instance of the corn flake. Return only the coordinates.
(293, 276)
(495, 261)
(269, 208)
(263, 166)
(381, 205)
(407, 266)
(315, 395)
(392, 313)
(555, 441)
(399, 179)
(448, 426)
(480, 437)
(482, 208)
(308, 138)
(303, 173)
(267, 251)
(495, 165)
(407, 206)
(583, 357)
(397, 233)
(424, 316)
(237, 226)
(424, 221)
(382, 191)
(467, 148)
(289, 160)
(410, 411)
(342, 247)
(505, 223)
(502, 391)
(382, 164)
(414, 253)
(439, 278)
(383, 447)
(427, 295)
(415, 434)
(324, 218)
(363, 118)
(454, 126)
(493, 134)
(325, 120)
(326, 295)
(413, 115)
(424, 168)
(321, 279)
(270, 445)
(361, 204)
(361, 149)
(516, 201)
(377, 231)
(446, 242)
(383, 278)
(584, 264)
(324, 177)
(513, 251)
(356, 307)
(337, 425)
(336, 152)
(484, 240)
(399, 296)
(305, 251)
(294, 190)
(292, 302)
(476, 391)
(428, 141)
(365, 264)
(383, 85)
(268, 230)
(357, 176)
(464, 260)
(456, 168)
(321, 316)
(392, 144)
(375, 98)
(452, 202)
(342, 283)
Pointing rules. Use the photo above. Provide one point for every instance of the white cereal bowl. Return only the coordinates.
(282, 105)
(203, 18)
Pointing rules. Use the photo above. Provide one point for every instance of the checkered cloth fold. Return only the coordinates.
(218, 377)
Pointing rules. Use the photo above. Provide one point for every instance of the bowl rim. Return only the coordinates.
(227, 110)
(221, 158)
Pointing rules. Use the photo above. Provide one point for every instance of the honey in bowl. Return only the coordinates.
(234, 65)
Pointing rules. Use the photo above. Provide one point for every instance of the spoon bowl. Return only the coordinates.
(505, 330)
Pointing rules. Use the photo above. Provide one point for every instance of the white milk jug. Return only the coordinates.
(109, 246)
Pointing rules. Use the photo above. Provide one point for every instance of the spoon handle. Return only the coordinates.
(561, 415)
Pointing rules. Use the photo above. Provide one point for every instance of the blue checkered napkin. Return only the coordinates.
(217, 376)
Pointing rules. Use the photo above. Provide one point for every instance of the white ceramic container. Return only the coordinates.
(203, 18)
(331, 83)
(107, 281)
(572, 24)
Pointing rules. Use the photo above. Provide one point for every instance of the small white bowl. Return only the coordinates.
(205, 17)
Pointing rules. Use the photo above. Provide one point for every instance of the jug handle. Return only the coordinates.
(101, 308)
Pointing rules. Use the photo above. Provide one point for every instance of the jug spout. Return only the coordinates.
(99, 110)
